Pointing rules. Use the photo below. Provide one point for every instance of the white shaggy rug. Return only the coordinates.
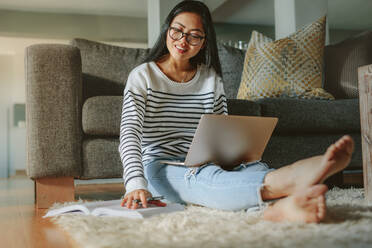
(348, 224)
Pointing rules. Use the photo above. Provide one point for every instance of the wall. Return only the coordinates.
(235, 32)
(66, 26)
(6, 80)
(226, 31)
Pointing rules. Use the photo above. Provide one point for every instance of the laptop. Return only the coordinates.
(228, 140)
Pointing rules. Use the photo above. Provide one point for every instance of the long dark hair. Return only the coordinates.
(208, 55)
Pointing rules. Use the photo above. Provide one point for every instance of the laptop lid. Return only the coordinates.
(229, 140)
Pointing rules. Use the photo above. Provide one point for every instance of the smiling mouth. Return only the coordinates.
(180, 49)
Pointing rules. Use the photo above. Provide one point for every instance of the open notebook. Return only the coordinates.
(113, 208)
(228, 140)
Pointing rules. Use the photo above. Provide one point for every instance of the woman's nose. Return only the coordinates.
(183, 43)
(183, 40)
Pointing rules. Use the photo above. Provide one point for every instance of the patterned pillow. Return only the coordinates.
(289, 67)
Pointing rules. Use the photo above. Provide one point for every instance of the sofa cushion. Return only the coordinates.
(291, 66)
(286, 149)
(232, 60)
(101, 158)
(313, 116)
(106, 67)
(243, 107)
(341, 64)
(101, 115)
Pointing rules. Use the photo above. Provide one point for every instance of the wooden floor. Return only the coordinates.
(22, 226)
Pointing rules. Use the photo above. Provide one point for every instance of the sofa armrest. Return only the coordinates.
(53, 110)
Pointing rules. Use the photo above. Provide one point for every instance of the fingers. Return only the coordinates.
(140, 195)
(123, 201)
(136, 197)
(143, 199)
(130, 200)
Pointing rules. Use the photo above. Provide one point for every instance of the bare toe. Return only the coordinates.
(331, 152)
(345, 143)
(321, 208)
(337, 157)
(310, 171)
(349, 144)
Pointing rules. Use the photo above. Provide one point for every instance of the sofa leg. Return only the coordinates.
(49, 190)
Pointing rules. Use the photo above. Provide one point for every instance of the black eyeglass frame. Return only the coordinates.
(201, 38)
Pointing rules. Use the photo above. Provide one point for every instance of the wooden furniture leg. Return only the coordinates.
(49, 190)
(365, 104)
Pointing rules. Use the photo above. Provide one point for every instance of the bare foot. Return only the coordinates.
(307, 206)
(310, 171)
(336, 158)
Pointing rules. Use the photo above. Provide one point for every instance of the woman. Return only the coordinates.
(164, 99)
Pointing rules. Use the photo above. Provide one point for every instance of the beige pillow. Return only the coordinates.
(289, 67)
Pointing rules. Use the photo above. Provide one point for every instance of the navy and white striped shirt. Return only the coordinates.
(160, 116)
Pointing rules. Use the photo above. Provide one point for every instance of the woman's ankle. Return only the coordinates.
(273, 188)
(266, 194)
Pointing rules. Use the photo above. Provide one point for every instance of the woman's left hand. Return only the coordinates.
(139, 194)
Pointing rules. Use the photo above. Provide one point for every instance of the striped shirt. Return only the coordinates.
(160, 116)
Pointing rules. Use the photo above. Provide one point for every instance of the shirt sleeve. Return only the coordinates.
(132, 117)
(220, 104)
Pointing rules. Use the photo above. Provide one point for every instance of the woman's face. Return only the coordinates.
(190, 24)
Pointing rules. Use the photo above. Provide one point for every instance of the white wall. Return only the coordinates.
(66, 26)
(6, 81)
(158, 11)
(12, 91)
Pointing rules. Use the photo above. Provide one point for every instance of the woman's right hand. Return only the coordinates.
(139, 194)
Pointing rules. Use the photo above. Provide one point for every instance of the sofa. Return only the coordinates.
(74, 97)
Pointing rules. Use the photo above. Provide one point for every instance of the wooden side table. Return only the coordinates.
(365, 104)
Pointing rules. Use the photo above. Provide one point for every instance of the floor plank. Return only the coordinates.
(21, 225)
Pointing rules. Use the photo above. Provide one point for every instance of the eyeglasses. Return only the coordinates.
(192, 39)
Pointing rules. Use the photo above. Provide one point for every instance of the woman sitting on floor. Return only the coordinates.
(164, 99)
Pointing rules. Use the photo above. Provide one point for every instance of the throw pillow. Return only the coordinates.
(232, 61)
(341, 64)
(106, 67)
(288, 67)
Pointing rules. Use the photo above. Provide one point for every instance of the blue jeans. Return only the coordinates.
(208, 185)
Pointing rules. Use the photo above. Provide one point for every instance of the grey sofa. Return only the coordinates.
(74, 100)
